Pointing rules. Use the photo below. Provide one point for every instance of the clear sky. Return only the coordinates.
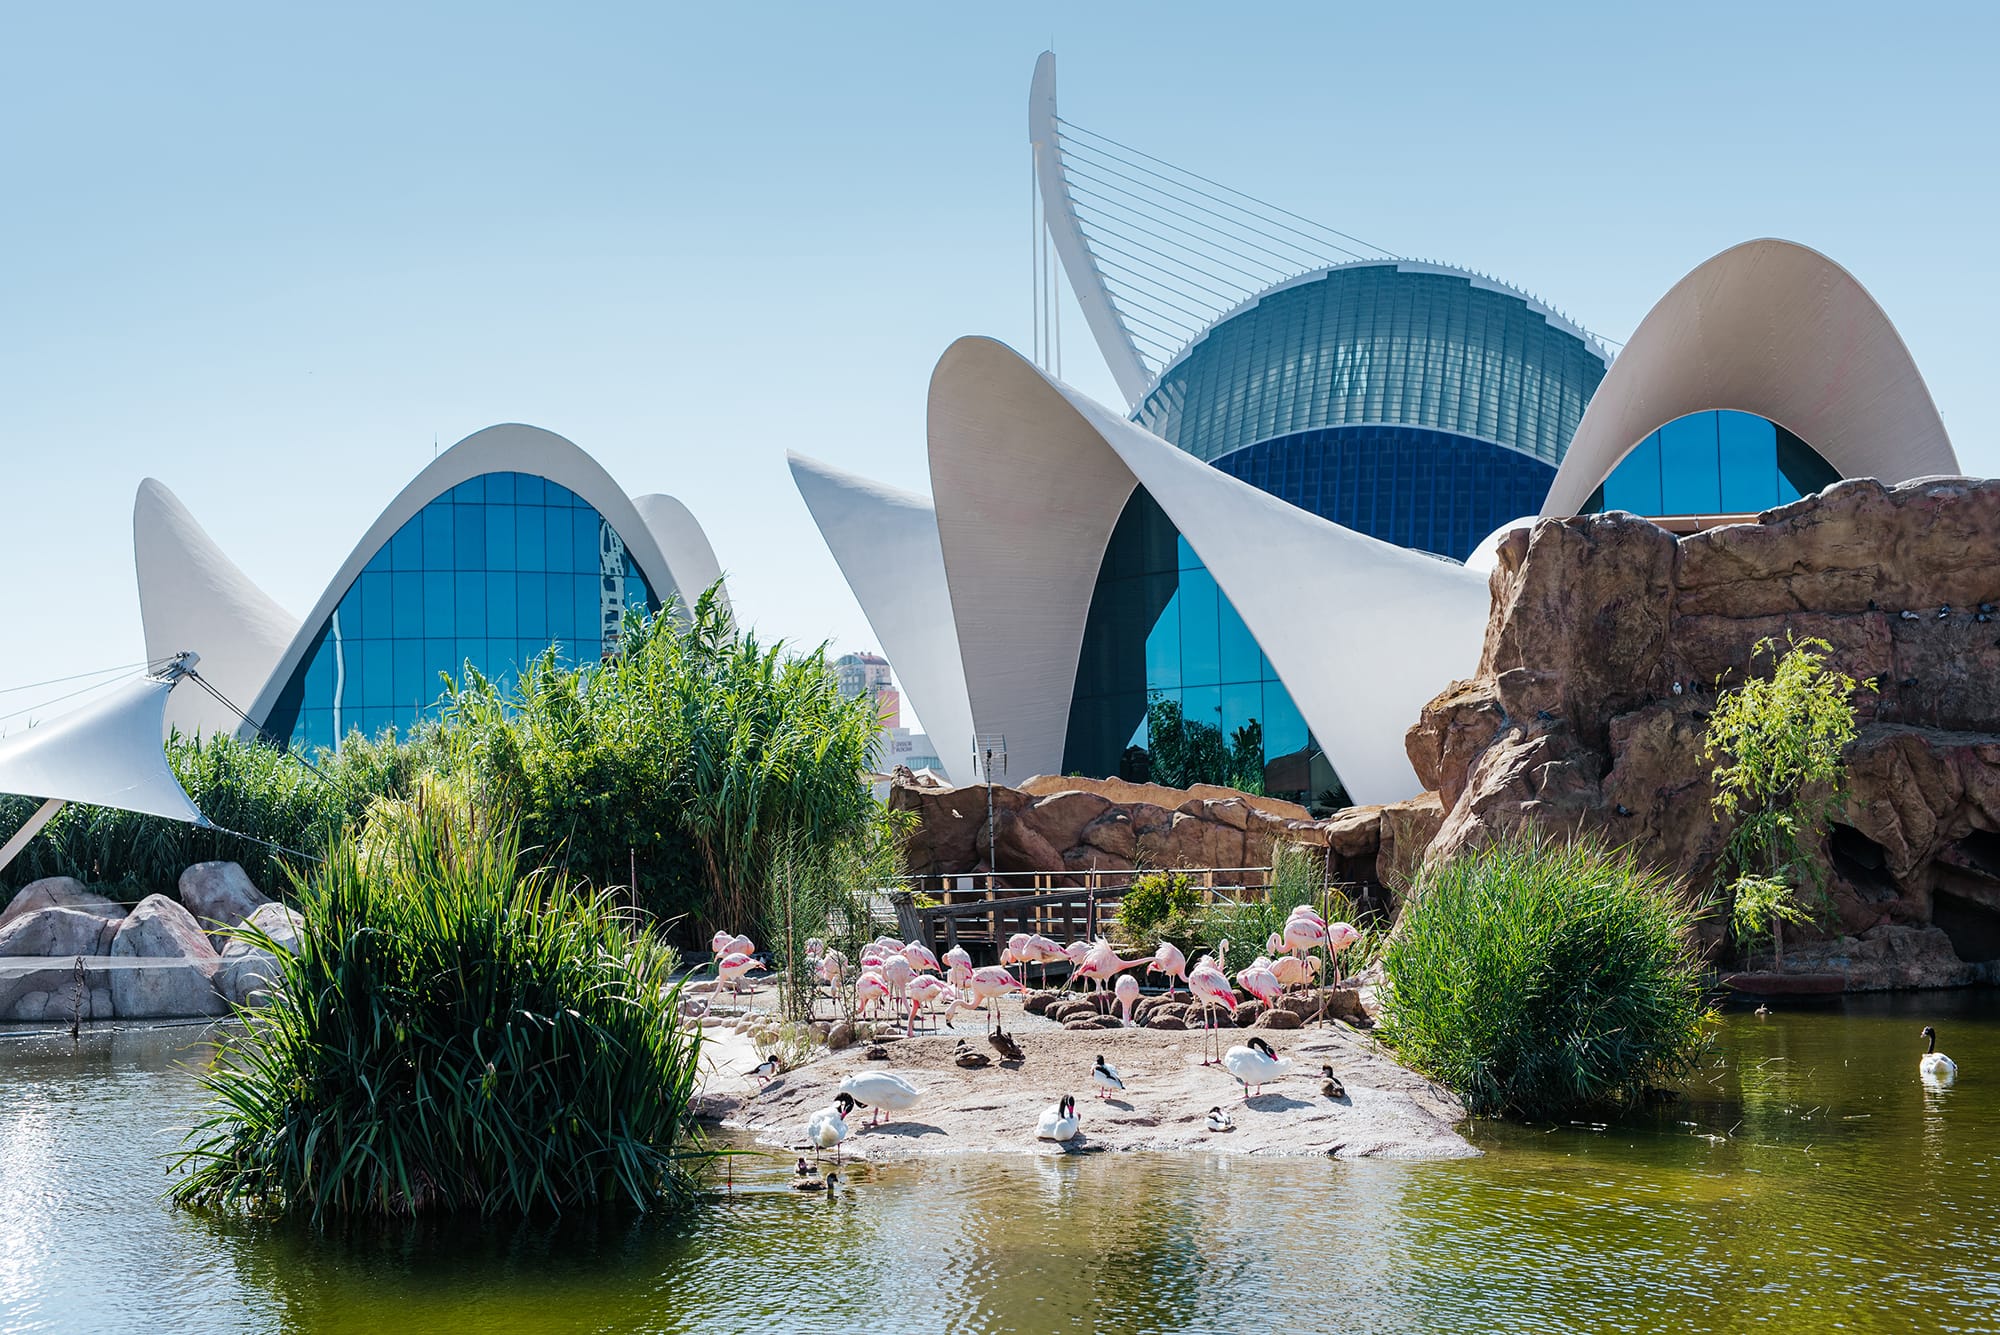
(271, 254)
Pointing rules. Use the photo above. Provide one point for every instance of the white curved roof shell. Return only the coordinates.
(192, 596)
(1777, 329)
(885, 541)
(1030, 477)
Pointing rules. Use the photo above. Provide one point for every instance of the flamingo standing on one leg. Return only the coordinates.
(1127, 992)
(1261, 983)
(896, 973)
(925, 991)
(870, 991)
(1211, 988)
(990, 983)
(1338, 938)
(1041, 950)
(1016, 953)
(1167, 959)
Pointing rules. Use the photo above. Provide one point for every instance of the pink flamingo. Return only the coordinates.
(1041, 950)
(990, 983)
(1338, 938)
(1127, 991)
(722, 943)
(925, 989)
(958, 966)
(1261, 983)
(1169, 961)
(1291, 971)
(1075, 952)
(1017, 954)
(869, 992)
(920, 958)
(730, 969)
(896, 973)
(1101, 962)
(1211, 988)
(950, 1002)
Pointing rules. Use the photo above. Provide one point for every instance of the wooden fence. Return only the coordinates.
(980, 912)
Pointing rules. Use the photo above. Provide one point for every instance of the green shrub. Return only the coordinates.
(1155, 899)
(452, 1035)
(1534, 978)
(684, 764)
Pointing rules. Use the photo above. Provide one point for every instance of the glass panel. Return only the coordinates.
(501, 602)
(406, 592)
(1241, 659)
(437, 537)
(529, 490)
(469, 551)
(440, 600)
(376, 621)
(1690, 480)
(499, 537)
(471, 491)
(1749, 461)
(1635, 484)
(532, 600)
(471, 603)
(406, 549)
(530, 537)
(500, 488)
(1163, 647)
(1200, 630)
(413, 686)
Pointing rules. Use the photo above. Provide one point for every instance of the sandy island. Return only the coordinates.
(1388, 1111)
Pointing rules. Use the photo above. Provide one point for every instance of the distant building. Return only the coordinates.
(870, 675)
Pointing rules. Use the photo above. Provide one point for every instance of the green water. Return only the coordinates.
(1809, 1182)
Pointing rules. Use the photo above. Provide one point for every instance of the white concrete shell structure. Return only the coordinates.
(1777, 329)
(1030, 477)
(193, 598)
(885, 541)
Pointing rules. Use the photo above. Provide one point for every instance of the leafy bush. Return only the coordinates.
(1782, 736)
(684, 764)
(1534, 978)
(452, 1035)
(1155, 900)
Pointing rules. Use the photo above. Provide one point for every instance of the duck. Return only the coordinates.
(1106, 1078)
(1935, 1067)
(1059, 1120)
(1331, 1086)
(767, 1070)
(827, 1183)
(1218, 1120)
(828, 1127)
(802, 1168)
(1254, 1064)
(881, 1091)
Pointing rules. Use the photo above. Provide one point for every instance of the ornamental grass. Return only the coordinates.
(1535, 977)
(451, 1036)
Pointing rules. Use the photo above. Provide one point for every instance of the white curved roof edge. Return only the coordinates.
(192, 596)
(1487, 554)
(1774, 328)
(1107, 327)
(507, 448)
(885, 541)
(1484, 282)
(685, 546)
(106, 753)
(1030, 479)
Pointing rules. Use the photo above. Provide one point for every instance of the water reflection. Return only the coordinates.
(1807, 1180)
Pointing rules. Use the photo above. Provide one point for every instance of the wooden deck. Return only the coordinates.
(981, 912)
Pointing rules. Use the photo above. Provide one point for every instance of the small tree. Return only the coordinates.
(1781, 738)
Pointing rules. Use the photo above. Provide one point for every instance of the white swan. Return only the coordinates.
(1935, 1067)
(1105, 1076)
(880, 1091)
(1059, 1120)
(1255, 1064)
(828, 1127)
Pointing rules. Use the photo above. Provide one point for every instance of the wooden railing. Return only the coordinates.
(980, 911)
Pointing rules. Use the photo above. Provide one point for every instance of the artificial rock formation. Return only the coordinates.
(1074, 826)
(1607, 643)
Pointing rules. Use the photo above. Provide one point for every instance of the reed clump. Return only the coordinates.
(1534, 977)
(452, 1035)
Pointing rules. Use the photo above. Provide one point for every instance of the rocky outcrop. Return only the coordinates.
(1608, 641)
(1073, 826)
(53, 892)
(58, 931)
(219, 895)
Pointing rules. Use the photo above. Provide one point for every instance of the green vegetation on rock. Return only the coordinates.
(1535, 977)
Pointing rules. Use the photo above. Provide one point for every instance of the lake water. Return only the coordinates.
(1808, 1182)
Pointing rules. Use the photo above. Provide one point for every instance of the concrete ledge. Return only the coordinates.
(46, 988)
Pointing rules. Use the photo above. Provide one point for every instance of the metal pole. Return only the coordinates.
(43, 815)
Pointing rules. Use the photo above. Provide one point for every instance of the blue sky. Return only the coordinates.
(271, 254)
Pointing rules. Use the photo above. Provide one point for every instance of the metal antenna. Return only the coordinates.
(987, 748)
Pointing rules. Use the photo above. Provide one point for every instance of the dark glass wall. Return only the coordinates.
(1379, 344)
(1717, 462)
(1170, 685)
(1429, 490)
(492, 574)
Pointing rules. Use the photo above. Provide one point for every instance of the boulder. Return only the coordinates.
(1038, 1003)
(52, 892)
(840, 1036)
(1249, 1012)
(219, 895)
(58, 931)
(1278, 1019)
(1893, 956)
(1171, 1022)
(1094, 1022)
(49, 991)
(1061, 818)
(159, 928)
(283, 924)
(247, 977)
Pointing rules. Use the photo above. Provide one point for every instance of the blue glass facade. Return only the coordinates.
(492, 574)
(1718, 462)
(1430, 490)
(1164, 651)
(1379, 344)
